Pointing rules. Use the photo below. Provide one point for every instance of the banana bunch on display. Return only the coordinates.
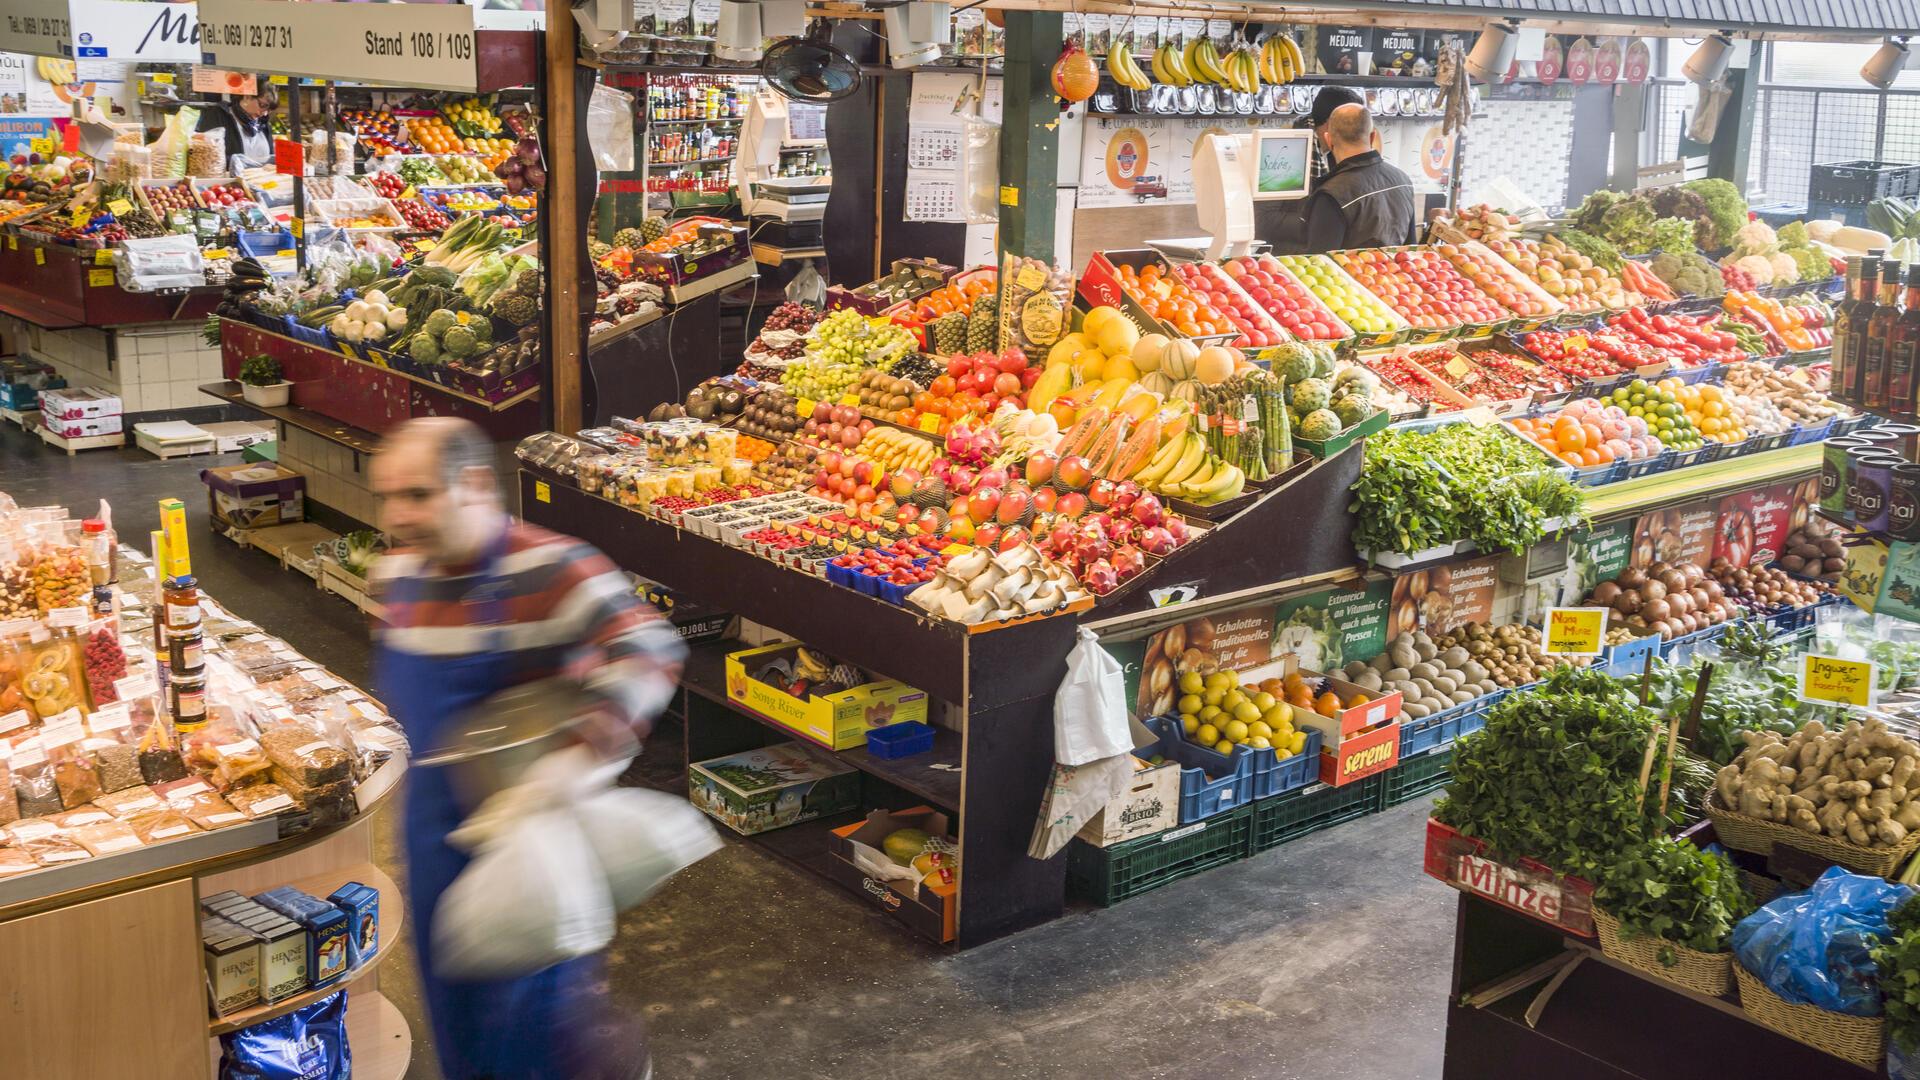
(1242, 69)
(1170, 66)
(1281, 60)
(57, 72)
(1203, 60)
(1124, 69)
(1185, 468)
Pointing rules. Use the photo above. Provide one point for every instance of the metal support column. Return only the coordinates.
(1029, 135)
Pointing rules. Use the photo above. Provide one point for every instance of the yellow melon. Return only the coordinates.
(1066, 349)
(1120, 367)
(1090, 365)
(1117, 337)
(1179, 359)
(1214, 365)
(1148, 351)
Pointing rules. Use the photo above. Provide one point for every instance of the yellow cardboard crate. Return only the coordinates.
(840, 721)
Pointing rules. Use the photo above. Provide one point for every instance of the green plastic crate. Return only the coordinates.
(1416, 776)
(1292, 816)
(1109, 875)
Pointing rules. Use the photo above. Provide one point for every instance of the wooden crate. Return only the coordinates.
(293, 545)
(335, 579)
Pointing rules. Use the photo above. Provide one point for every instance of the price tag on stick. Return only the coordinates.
(1574, 631)
(1829, 680)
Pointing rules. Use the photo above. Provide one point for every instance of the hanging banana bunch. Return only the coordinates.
(1243, 68)
(1124, 69)
(1281, 60)
(1170, 65)
(1203, 60)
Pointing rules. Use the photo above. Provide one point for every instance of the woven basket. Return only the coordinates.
(1859, 1039)
(1702, 972)
(1761, 887)
(1747, 833)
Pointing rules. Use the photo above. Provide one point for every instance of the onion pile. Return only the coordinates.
(1664, 598)
(1763, 590)
(522, 171)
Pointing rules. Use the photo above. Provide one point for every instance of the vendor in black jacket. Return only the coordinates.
(1363, 201)
(245, 120)
(1283, 224)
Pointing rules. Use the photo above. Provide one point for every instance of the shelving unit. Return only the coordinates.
(993, 690)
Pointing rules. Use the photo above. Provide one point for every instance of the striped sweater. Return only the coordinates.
(568, 611)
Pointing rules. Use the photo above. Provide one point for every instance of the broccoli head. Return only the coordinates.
(1813, 265)
(1726, 207)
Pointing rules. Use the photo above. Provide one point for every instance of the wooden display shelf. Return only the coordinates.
(705, 677)
(392, 917)
(490, 406)
(356, 439)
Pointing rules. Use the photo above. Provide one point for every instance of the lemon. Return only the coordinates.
(1259, 742)
(1192, 683)
(1207, 734)
(1223, 746)
(1298, 742)
(1214, 697)
(1208, 712)
(1221, 681)
(1190, 703)
(1280, 713)
(1235, 731)
(1262, 701)
(1258, 729)
(1233, 700)
(1246, 713)
(1189, 724)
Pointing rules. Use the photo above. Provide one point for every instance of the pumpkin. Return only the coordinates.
(1214, 365)
(1179, 358)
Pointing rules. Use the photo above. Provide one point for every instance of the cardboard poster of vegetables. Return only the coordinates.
(1444, 597)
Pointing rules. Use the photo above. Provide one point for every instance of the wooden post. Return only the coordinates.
(563, 230)
(1029, 135)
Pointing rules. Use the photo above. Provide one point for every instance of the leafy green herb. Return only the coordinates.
(1555, 775)
(1671, 890)
(260, 370)
(1422, 489)
(1898, 956)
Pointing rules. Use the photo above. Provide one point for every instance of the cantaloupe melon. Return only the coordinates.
(1117, 337)
(1214, 365)
(1157, 381)
(1179, 358)
(1148, 352)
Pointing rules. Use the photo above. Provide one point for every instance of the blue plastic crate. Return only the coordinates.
(1204, 793)
(1659, 462)
(1685, 458)
(1811, 433)
(900, 740)
(1421, 735)
(1629, 658)
(1760, 444)
(1690, 376)
(1847, 425)
(263, 244)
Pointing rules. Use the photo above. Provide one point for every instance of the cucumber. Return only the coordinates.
(320, 315)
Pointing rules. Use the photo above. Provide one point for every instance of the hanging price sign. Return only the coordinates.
(1829, 680)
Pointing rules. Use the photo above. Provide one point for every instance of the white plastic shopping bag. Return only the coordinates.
(610, 128)
(1090, 708)
(533, 896)
(641, 838)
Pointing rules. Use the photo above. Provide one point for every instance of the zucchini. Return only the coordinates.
(319, 316)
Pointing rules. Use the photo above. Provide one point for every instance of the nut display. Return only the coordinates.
(60, 579)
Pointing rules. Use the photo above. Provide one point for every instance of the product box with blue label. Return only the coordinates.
(362, 906)
(326, 927)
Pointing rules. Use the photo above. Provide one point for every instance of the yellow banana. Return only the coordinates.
(1296, 60)
(1209, 58)
(1138, 78)
(1175, 64)
(1117, 65)
(1267, 70)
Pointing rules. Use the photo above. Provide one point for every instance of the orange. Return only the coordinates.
(1327, 704)
(1357, 699)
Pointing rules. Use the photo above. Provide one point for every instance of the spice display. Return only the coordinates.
(9, 802)
(74, 775)
(125, 803)
(33, 783)
(105, 663)
(106, 838)
(85, 815)
(15, 860)
(16, 591)
(208, 809)
(52, 848)
(234, 762)
(117, 763)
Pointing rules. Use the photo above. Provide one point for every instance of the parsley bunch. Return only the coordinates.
(1898, 957)
(1423, 489)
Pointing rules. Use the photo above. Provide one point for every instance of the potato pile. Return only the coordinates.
(1801, 403)
(1511, 653)
(1811, 555)
(1429, 677)
(1856, 784)
(1663, 599)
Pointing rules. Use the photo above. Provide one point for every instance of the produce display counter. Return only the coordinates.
(366, 395)
(997, 686)
(1700, 481)
(63, 288)
(359, 440)
(1602, 1021)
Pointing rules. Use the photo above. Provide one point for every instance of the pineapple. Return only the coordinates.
(652, 229)
(983, 325)
(950, 333)
(597, 250)
(628, 238)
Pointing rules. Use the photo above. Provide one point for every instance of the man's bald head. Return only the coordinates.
(437, 489)
(1350, 129)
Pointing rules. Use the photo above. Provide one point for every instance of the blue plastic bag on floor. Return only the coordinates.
(309, 1043)
(1812, 947)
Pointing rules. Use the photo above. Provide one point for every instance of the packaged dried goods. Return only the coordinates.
(82, 815)
(9, 802)
(50, 675)
(260, 800)
(15, 860)
(33, 782)
(303, 752)
(160, 823)
(60, 576)
(106, 838)
(74, 774)
(130, 801)
(103, 661)
(118, 764)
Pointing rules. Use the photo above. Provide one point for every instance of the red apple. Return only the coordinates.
(1006, 384)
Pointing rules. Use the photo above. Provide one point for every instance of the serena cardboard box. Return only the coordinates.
(929, 910)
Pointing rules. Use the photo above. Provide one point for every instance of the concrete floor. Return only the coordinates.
(1325, 958)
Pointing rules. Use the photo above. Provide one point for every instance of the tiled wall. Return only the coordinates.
(332, 479)
(155, 369)
(1528, 142)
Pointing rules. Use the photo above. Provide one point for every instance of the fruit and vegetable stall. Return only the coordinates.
(1316, 509)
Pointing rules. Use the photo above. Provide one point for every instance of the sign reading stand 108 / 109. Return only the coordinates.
(419, 45)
